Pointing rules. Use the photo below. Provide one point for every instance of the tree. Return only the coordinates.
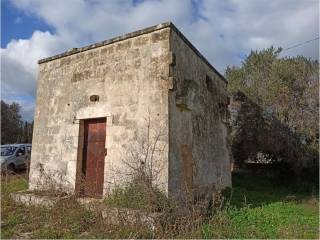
(13, 129)
(275, 109)
(285, 88)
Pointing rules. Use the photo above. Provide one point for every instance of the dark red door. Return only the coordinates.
(93, 156)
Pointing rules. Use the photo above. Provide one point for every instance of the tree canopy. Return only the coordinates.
(285, 88)
(13, 128)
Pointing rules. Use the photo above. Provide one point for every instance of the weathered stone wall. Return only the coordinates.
(198, 129)
(131, 78)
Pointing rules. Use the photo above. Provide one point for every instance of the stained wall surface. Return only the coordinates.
(198, 124)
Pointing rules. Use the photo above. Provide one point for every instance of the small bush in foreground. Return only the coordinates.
(137, 195)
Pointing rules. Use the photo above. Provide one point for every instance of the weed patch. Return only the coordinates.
(139, 196)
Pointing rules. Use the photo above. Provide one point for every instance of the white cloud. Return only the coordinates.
(19, 67)
(27, 52)
(222, 30)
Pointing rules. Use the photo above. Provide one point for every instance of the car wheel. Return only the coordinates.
(11, 167)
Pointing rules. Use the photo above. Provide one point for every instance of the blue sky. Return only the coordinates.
(17, 24)
(224, 31)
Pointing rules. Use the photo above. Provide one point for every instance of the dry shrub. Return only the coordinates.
(170, 219)
(67, 219)
(139, 195)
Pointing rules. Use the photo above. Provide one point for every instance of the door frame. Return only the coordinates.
(80, 172)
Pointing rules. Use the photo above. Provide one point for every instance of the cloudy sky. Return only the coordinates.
(224, 31)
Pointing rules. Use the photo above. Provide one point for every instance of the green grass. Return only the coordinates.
(275, 220)
(67, 219)
(13, 184)
(263, 208)
(255, 191)
(255, 208)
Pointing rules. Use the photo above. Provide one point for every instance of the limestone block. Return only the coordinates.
(115, 130)
(127, 216)
(28, 198)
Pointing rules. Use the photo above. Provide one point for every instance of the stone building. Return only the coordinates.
(146, 102)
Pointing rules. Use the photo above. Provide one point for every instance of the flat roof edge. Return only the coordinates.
(197, 52)
(107, 42)
(131, 35)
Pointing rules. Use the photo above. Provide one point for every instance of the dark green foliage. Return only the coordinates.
(11, 122)
(13, 129)
(281, 106)
(26, 132)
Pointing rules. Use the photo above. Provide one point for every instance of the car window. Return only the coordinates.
(28, 149)
(8, 151)
(21, 150)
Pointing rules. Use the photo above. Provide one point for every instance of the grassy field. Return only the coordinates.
(265, 208)
(254, 208)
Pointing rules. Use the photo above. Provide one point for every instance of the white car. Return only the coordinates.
(15, 156)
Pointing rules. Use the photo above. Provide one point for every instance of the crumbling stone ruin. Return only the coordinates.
(255, 131)
(145, 102)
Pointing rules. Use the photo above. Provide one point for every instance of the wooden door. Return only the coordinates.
(93, 157)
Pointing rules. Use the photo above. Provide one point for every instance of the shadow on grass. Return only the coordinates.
(253, 190)
(264, 207)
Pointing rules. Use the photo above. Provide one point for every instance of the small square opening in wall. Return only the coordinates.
(94, 98)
